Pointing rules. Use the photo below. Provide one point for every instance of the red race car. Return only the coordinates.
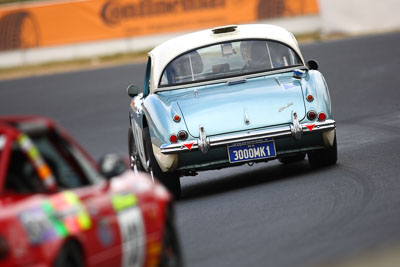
(59, 208)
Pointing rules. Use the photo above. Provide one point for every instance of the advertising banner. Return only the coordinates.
(42, 24)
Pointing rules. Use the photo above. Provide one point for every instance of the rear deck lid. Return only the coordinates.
(258, 102)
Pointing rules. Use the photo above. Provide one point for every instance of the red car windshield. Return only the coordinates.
(227, 60)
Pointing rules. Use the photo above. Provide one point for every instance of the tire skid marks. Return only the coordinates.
(350, 194)
(348, 204)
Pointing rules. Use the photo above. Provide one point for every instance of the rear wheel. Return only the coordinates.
(324, 157)
(170, 180)
(70, 256)
(171, 255)
(133, 153)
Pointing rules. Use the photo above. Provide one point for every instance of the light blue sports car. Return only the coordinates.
(228, 96)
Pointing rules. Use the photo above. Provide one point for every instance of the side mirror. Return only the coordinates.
(312, 64)
(132, 90)
(112, 165)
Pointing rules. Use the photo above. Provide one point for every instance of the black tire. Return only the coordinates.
(292, 159)
(325, 157)
(70, 255)
(170, 180)
(133, 152)
(171, 255)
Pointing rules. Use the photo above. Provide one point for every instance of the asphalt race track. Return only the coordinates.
(269, 214)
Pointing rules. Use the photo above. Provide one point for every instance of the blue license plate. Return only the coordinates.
(251, 151)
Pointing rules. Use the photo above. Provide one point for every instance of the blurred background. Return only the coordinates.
(266, 215)
(35, 32)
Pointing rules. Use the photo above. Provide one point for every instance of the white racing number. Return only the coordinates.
(132, 236)
(252, 152)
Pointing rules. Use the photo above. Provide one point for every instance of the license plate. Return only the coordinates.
(251, 151)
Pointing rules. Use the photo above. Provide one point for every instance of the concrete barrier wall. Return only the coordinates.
(359, 16)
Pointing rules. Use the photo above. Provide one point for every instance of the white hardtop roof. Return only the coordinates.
(163, 54)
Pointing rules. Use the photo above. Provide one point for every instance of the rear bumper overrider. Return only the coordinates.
(222, 140)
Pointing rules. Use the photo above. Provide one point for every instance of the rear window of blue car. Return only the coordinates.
(228, 59)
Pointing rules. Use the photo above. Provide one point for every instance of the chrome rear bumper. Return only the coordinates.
(221, 140)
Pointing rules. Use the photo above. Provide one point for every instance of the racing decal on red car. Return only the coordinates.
(105, 232)
(37, 225)
(70, 211)
(131, 227)
(60, 216)
(153, 252)
(132, 235)
(123, 201)
(33, 153)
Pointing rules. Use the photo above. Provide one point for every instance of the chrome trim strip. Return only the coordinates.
(233, 82)
(204, 142)
(296, 128)
(283, 131)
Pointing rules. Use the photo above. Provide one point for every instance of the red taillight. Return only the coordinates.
(173, 138)
(321, 116)
(310, 98)
(311, 115)
(176, 118)
(182, 135)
